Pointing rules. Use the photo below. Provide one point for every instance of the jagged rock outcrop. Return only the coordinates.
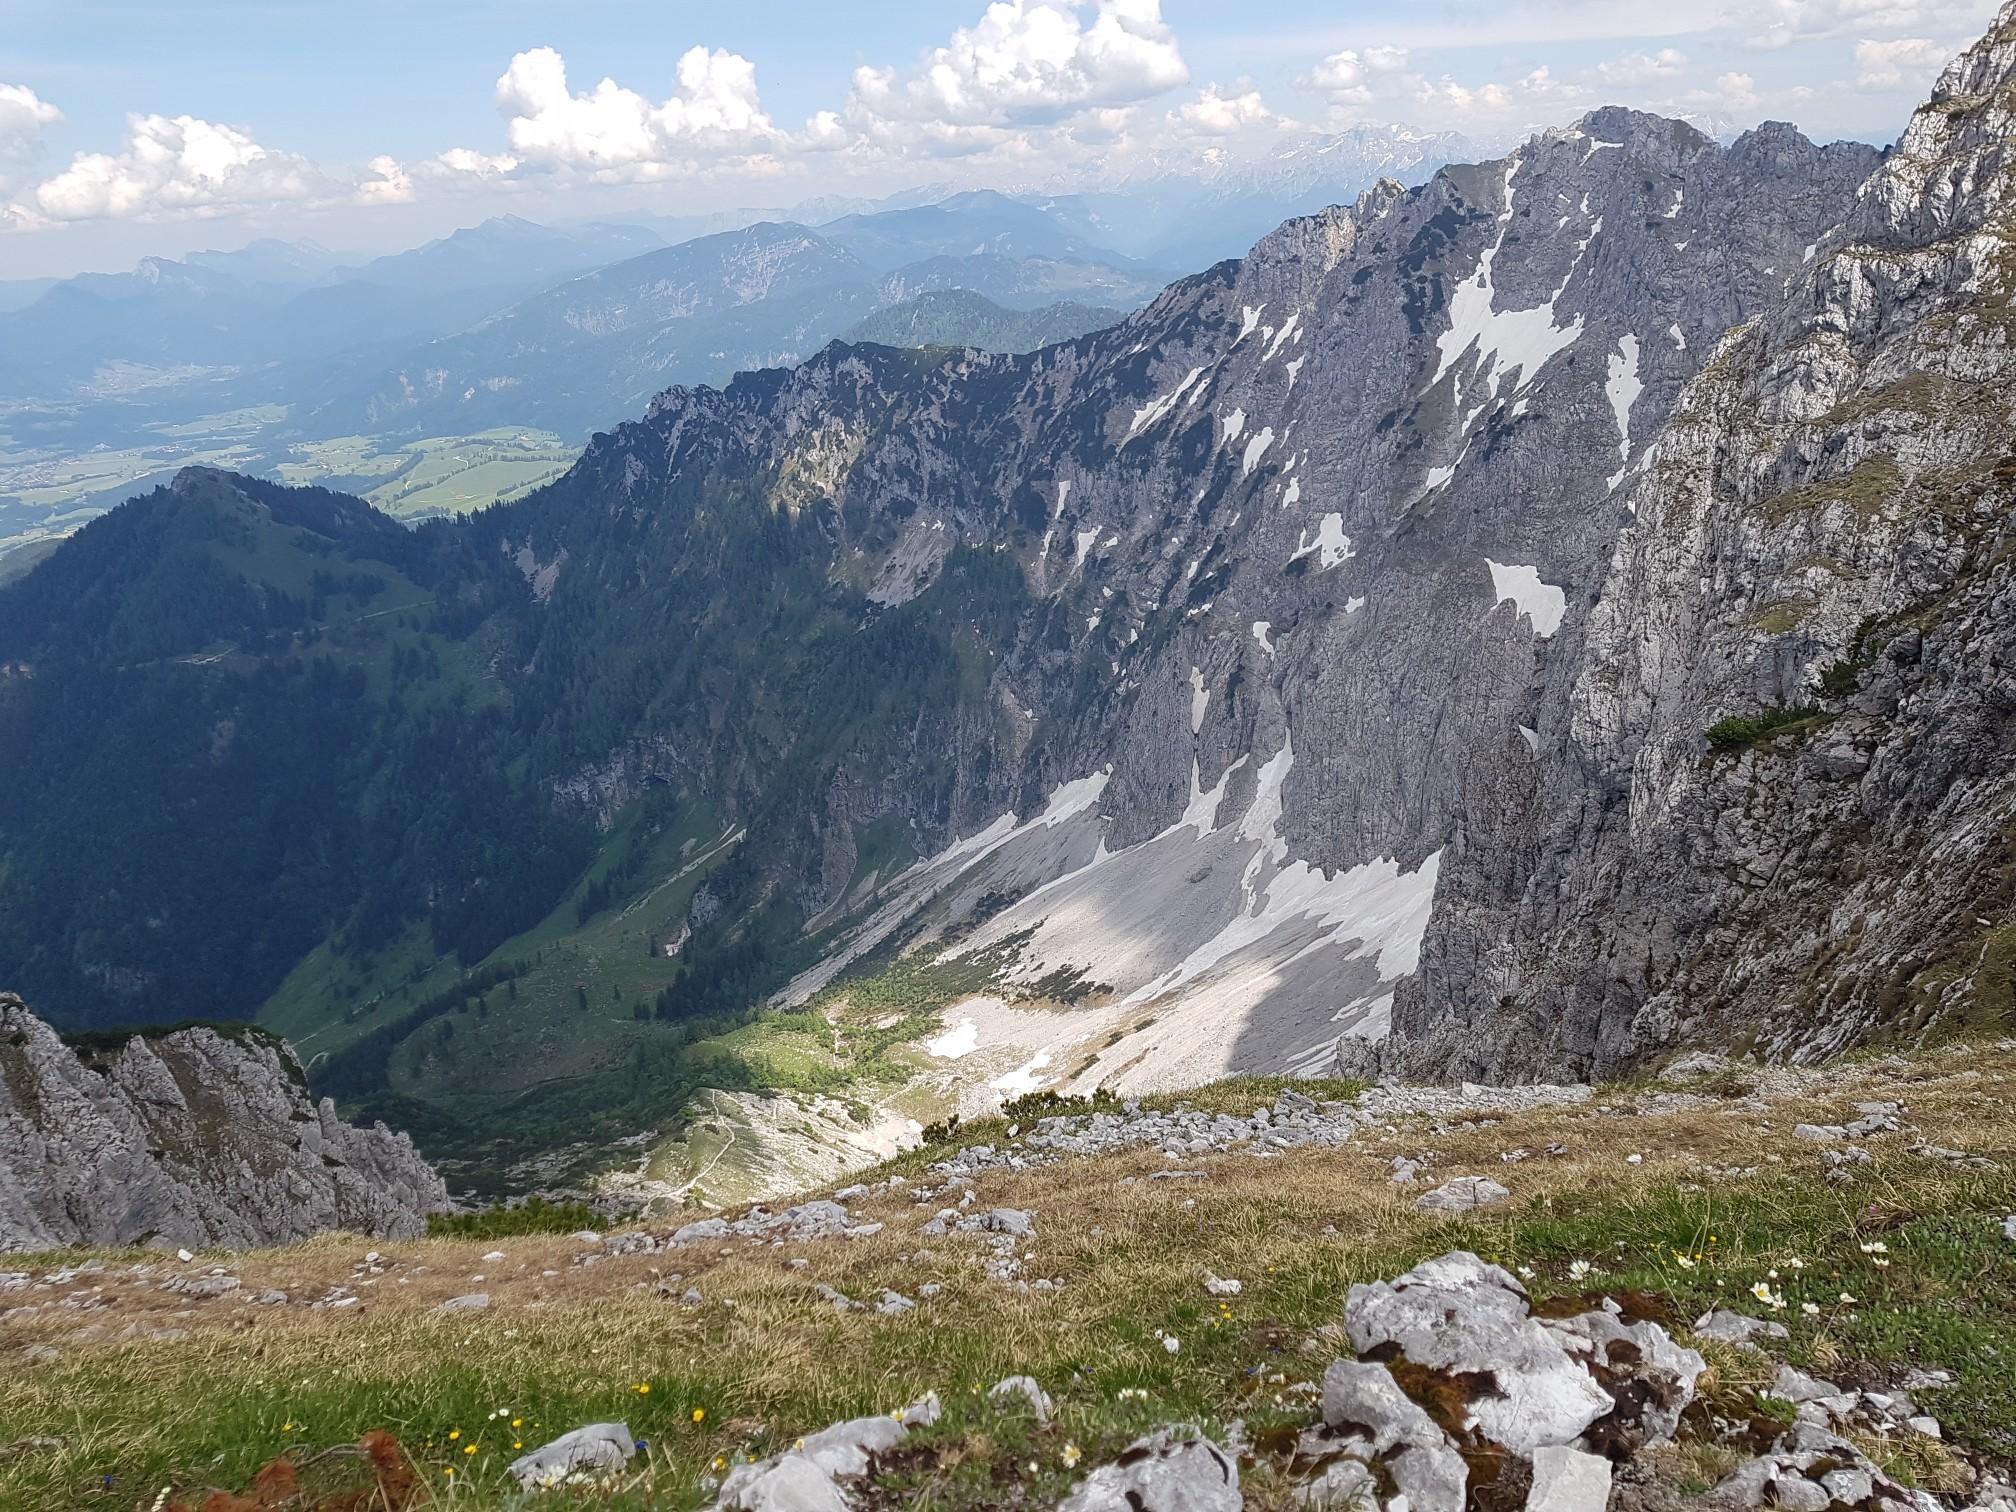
(1824, 545)
(195, 1136)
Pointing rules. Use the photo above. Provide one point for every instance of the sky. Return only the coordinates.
(131, 128)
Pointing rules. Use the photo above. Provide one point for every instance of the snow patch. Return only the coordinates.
(1381, 907)
(1542, 603)
(1201, 812)
(1506, 341)
(1234, 424)
(1024, 1078)
(1679, 336)
(1263, 630)
(1200, 699)
(1086, 540)
(1257, 448)
(1292, 493)
(1331, 542)
(1623, 388)
(1249, 319)
(959, 1041)
(1155, 410)
(1531, 736)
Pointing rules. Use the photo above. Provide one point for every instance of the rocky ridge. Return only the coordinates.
(197, 1136)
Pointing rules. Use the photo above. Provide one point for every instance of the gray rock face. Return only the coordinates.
(193, 1137)
(1823, 538)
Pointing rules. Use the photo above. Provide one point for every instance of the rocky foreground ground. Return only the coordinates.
(1731, 1286)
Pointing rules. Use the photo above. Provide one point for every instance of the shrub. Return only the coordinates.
(1740, 730)
(504, 1220)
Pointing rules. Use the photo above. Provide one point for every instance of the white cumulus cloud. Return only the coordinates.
(1030, 62)
(1732, 92)
(384, 182)
(616, 132)
(1216, 113)
(1906, 62)
(171, 165)
(23, 115)
(1352, 72)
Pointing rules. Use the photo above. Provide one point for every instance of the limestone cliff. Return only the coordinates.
(1778, 800)
(193, 1136)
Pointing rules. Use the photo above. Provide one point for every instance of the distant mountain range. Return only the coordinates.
(959, 317)
(575, 357)
(261, 357)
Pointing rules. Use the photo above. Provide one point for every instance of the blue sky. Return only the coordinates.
(129, 128)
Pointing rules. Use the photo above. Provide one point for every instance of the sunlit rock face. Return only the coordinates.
(193, 1137)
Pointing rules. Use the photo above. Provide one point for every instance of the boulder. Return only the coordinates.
(1168, 1471)
(787, 1484)
(1463, 1194)
(1567, 1480)
(1459, 1315)
(1530, 1382)
(587, 1453)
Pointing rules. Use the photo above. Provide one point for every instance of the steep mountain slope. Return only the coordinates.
(1278, 563)
(1822, 550)
(195, 1136)
(234, 711)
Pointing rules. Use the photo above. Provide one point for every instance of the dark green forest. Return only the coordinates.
(244, 722)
